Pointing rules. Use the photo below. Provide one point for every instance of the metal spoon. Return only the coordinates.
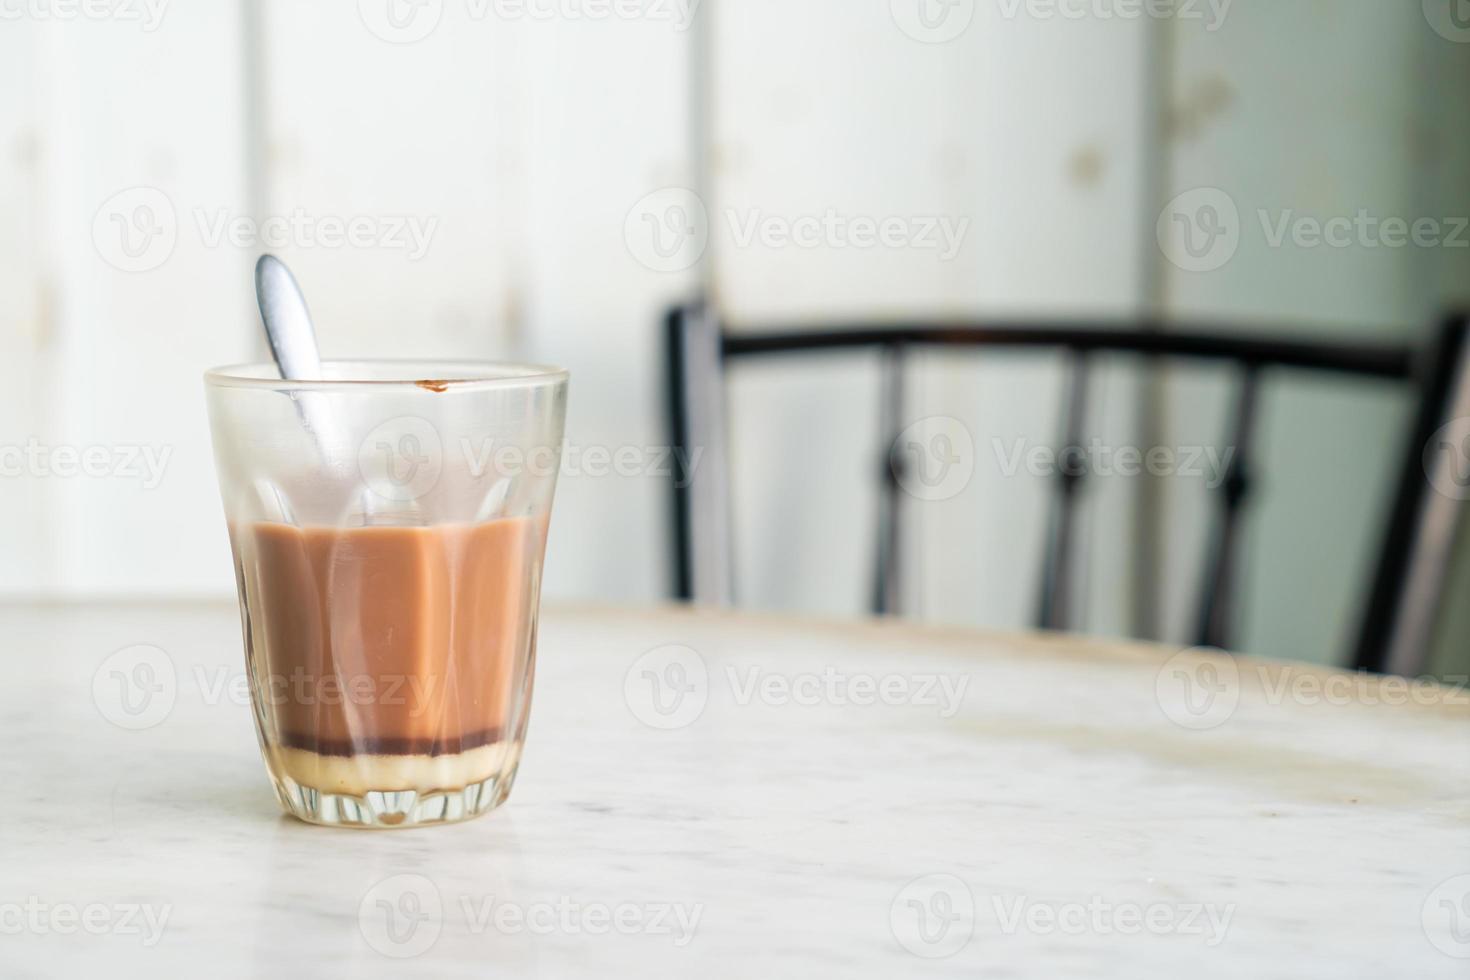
(293, 344)
(287, 321)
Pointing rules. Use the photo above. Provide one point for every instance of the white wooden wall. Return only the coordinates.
(1030, 131)
(524, 143)
(1062, 152)
(1325, 107)
(94, 110)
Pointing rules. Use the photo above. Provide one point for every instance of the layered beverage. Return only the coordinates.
(391, 659)
(388, 534)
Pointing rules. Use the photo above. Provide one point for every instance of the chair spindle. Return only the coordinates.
(887, 580)
(1217, 593)
(1057, 571)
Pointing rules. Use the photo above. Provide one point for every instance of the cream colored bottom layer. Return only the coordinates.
(357, 775)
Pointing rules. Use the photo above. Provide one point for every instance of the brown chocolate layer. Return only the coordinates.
(389, 745)
(390, 640)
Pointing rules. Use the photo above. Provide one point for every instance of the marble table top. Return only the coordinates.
(717, 795)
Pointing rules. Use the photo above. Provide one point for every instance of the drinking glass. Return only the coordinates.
(388, 524)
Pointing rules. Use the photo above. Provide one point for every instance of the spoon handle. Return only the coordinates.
(293, 344)
(287, 321)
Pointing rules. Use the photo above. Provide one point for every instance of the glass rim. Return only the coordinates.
(435, 376)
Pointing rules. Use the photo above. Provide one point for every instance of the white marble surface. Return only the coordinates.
(1059, 819)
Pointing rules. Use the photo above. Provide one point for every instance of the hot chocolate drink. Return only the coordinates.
(391, 659)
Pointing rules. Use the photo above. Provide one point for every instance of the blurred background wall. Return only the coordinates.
(486, 178)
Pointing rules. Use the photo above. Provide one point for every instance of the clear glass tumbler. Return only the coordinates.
(388, 524)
